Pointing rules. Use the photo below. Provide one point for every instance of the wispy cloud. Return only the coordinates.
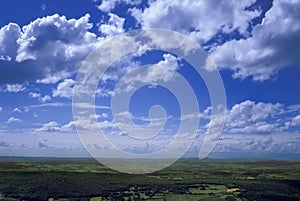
(13, 120)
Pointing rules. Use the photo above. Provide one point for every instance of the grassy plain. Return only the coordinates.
(188, 179)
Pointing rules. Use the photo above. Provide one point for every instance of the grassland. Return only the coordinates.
(188, 179)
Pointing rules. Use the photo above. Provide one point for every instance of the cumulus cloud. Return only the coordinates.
(91, 122)
(68, 127)
(46, 50)
(41, 98)
(53, 126)
(48, 127)
(103, 92)
(9, 35)
(199, 19)
(34, 95)
(109, 5)
(64, 89)
(114, 26)
(13, 120)
(273, 45)
(250, 117)
(15, 88)
(163, 71)
(296, 121)
(45, 98)
(256, 50)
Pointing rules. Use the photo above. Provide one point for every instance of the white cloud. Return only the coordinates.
(15, 88)
(199, 19)
(45, 50)
(103, 92)
(114, 26)
(45, 98)
(51, 126)
(64, 89)
(103, 115)
(43, 143)
(89, 106)
(53, 78)
(14, 120)
(164, 71)
(34, 95)
(250, 117)
(293, 108)
(109, 5)
(17, 110)
(1, 109)
(296, 121)
(41, 98)
(54, 104)
(8, 41)
(161, 70)
(273, 45)
(87, 123)
(69, 127)
(275, 143)
(260, 53)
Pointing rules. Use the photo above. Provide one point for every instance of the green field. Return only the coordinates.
(188, 179)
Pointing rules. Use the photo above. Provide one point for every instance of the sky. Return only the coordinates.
(254, 46)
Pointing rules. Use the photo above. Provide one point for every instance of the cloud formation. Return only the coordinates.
(273, 45)
(41, 98)
(237, 43)
(17, 110)
(64, 89)
(249, 117)
(48, 127)
(47, 49)
(53, 126)
(164, 71)
(109, 5)
(9, 34)
(13, 120)
(43, 143)
(15, 88)
(239, 144)
(114, 25)
(296, 121)
(199, 19)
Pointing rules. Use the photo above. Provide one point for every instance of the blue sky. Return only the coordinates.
(253, 44)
